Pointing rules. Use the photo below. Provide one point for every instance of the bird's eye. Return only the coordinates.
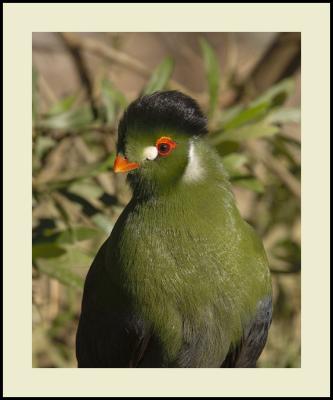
(164, 148)
(165, 145)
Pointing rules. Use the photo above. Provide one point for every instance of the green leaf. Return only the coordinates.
(212, 69)
(160, 76)
(70, 177)
(75, 258)
(64, 275)
(43, 145)
(287, 250)
(61, 267)
(70, 120)
(102, 222)
(113, 100)
(282, 147)
(266, 106)
(249, 182)
(248, 115)
(277, 94)
(233, 162)
(62, 105)
(229, 114)
(226, 147)
(61, 321)
(47, 250)
(76, 234)
(284, 115)
(246, 132)
(104, 165)
(87, 189)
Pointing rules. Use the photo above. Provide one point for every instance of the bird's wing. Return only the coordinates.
(247, 352)
(110, 334)
(117, 344)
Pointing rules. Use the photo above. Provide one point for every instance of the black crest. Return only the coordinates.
(169, 109)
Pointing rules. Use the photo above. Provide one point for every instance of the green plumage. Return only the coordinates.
(180, 261)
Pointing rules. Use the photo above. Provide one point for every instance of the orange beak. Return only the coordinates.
(121, 164)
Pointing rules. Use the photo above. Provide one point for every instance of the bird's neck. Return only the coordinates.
(203, 176)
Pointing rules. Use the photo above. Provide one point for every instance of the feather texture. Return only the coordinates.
(183, 280)
(183, 268)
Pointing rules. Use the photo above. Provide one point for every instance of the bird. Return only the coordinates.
(183, 281)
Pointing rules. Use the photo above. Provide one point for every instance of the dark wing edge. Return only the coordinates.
(107, 338)
(120, 344)
(247, 352)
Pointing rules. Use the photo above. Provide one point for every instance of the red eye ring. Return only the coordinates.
(165, 145)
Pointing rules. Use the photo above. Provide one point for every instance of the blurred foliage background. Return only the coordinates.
(249, 86)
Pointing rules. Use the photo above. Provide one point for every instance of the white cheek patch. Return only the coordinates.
(194, 170)
(150, 153)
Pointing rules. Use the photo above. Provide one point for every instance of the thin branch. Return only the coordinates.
(261, 154)
(82, 69)
(46, 90)
(72, 211)
(102, 50)
(281, 60)
(103, 179)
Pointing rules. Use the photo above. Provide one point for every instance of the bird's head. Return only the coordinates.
(155, 139)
